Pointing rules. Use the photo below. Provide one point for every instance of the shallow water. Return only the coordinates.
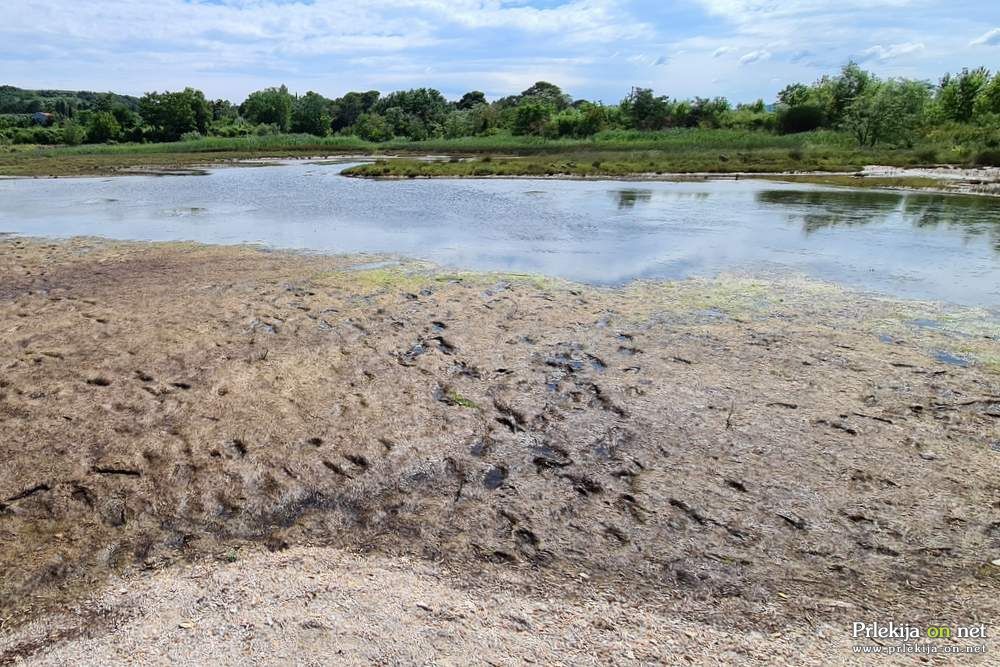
(940, 247)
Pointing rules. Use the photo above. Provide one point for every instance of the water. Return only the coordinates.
(605, 232)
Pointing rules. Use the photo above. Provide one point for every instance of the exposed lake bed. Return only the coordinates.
(738, 453)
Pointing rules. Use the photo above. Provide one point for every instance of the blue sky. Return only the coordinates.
(598, 49)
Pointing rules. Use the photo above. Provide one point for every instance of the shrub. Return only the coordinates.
(803, 118)
(988, 157)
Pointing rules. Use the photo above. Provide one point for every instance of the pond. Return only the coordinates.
(940, 247)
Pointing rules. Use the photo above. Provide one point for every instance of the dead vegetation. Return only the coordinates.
(765, 457)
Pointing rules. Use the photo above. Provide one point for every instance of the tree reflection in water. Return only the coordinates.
(628, 197)
(973, 217)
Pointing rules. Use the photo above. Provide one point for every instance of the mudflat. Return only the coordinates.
(209, 438)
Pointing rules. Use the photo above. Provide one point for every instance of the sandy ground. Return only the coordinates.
(273, 453)
(965, 180)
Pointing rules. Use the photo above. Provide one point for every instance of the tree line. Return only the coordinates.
(874, 111)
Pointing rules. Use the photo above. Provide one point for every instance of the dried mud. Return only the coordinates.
(764, 455)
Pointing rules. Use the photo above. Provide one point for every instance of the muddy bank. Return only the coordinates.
(754, 456)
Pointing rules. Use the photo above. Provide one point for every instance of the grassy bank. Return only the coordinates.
(611, 153)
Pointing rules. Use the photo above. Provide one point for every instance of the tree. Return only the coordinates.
(794, 95)
(800, 118)
(886, 111)
(347, 109)
(483, 119)
(836, 94)
(957, 94)
(988, 99)
(72, 133)
(103, 127)
(546, 93)
(269, 106)
(594, 118)
(530, 118)
(171, 115)
(223, 110)
(644, 111)
(707, 112)
(427, 104)
(311, 114)
(471, 99)
(372, 127)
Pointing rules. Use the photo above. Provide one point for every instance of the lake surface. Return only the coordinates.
(941, 247)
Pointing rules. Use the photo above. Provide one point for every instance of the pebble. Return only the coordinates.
(928, 456)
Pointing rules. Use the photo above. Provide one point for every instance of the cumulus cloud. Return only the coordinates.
(593, 48)
(991, 38)
(891, 52)
(754, 56)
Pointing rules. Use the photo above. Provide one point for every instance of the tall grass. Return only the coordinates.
(683, 140)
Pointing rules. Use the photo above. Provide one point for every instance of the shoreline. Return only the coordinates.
(678, 446)
(942, 179)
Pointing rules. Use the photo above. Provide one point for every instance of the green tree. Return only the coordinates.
(887, 111)
(171, 115)
(957, 94)
(269, 106)
(530, 118)
(988, 99)
(644, 111)
(311, 114)
(836, 94)
(594, 118)
(470, 100)
(223, 110)
(347, 109)
(794, 95)
(547, 94)
(372, 127)
(800, 118)
(103, 127)
(72, 133)
(426, 104)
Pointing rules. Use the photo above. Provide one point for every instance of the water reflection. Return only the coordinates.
(628, 198)
(911, 245)
(972, 217)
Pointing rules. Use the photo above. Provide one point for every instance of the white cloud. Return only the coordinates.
(723, 50)
(754, 56)
(893, 51)
(991, 38)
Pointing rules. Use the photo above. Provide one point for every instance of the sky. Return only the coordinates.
(593, 49)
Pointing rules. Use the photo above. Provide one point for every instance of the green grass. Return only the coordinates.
(621, 164)
(609, 153)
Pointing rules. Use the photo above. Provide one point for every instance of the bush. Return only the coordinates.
(191, 136)
(803, 118)
(35, 135)
(988, 157)
(72, 133)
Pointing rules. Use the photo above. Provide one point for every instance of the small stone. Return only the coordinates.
(187, 625)
(425, 607)
(928, 456)
(995, 562)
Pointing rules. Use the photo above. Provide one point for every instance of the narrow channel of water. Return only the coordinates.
(941, 247)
